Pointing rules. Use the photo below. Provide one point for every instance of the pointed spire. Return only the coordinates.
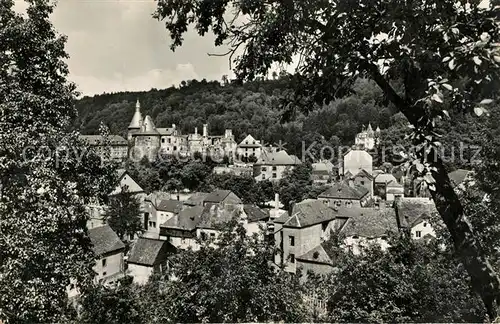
(370, 129)
(137, 105)
(137, 118)
(378, 129)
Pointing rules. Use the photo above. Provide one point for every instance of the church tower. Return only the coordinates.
(136, 123)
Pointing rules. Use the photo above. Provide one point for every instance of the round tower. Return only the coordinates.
(135, 124)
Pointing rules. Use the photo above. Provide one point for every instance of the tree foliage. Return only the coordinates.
(46, 174)
(124, 214)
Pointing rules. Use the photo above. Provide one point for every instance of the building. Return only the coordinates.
(368, 138)
(322, 172)
(461, 177)
(117, 145)
(147, 257)
(362, 179)
(272, 165)
(125, 180)
(222, 197)
(357, 160)
(196, 199)
(109, 250)
(257, 219)
(381, 182)
(310, 223)
(148, 140)
(415, 215)
(157, 212)
(234, 170)
(180, 230)
(345, 194)
(394, 190)
(248, 147)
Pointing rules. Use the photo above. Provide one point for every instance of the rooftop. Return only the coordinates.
(385, 178)
(369, 222)
(217, 196)
(150, 252)
(306, 213)
(342, 190)
(410, 209)
(254, 213)
(196, 199)
(170, 205)
(187, 219)
(459, 176)
(214, 215)
(105, 240)
(277, 158)
(99, 140)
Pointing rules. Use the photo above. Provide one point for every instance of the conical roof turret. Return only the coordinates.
(378, 129)
(149, 126)
(137, 118)
(369, 129)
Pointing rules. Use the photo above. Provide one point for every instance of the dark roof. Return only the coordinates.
(214, 215)
(369, 222)
(148, 251)
(458, 176)
(343, 191)
(277, 158)
(411, 209)
(196, 199)
(217, 196)
(363, 173)
(121, 173)
(254, 213)
(99, 140)
(384, 178)
(323, 253)
(170, 205)
(187, 219)
(309, 212)
(105, 240)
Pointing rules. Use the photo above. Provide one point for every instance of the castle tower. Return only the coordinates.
(135, 124)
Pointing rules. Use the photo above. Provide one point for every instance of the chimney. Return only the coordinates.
(276, 201)
(196, 130)
(205, 130)
(290, 208)
(351, 183)
(173, 126)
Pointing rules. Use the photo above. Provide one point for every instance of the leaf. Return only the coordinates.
(478, 111)
(446, 113)
(446, 59)
(447, 86)
(437, 97)
(496, 58)
(432, 187)
(420, 167)
(486, 101)
(455, 31)
(477, 60)
(451, 64)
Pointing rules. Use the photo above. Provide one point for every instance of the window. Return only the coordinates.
(264, 169)
(292, 258)
(254, 149)
(274, 168)
(338, 203)
(103, 262)
(163, 140)
(175, 148)
(150, 224)
(324, 226)
(274, 175)
(263, 177)
(154, 224)
(183, 240)
(291, 240)
(104, 273)
(212, 235)
(425, 224)
(362, 183)
(169, 140)
(203, 235)
(418, 234)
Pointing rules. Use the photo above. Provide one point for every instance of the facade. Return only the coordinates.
(322, 172)
(109, 250)
(234, 170)
(272, 165)
(363, 179)
(222, 197)
(117, 145)
(394, 190)
(357, 160)
(148, 256)
(368, 138)
(158, 211)
(249, 147)
(415, 215)
(180, 230)
(149, 141)
(380, 183)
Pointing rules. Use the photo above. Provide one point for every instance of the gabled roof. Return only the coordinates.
(217, 196)
(170, 205)
(277, 158)
(309, 212)
(120, 173)
(368, 222)
(385, 178)
(105, 240)
(187, 219)
(214, 215)
(322, 166)
(394, 184)
(363, 173)
(94, 140)
(323, 254)
(409, 209)
(459, 176)
(342, 190)
(254, 213)
(250, 139)
(150, 252)
(165, 131)
(196, 199)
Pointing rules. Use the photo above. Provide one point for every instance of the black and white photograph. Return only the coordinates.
(249, 161)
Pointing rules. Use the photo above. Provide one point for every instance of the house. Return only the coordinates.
(118, 146)
(368, 138)
(380, 183)
(126, 180)
(363, 179)
(367, 226)
(109, 250)
(394, 190)
(459, 178)
(415, 215)
(180, 230)
(234, 170)
(248, 147)
(345, 194)
(196, 199)
(157, 212)
(322, 172)
(216, 215)
(307, 226)
(222, 197)
(273, 164)
(148, 256)
(257, 219)
(357, 160)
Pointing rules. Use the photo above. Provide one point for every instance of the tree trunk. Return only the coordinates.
(483, 278)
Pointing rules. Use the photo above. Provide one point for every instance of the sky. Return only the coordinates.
(116, 45)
